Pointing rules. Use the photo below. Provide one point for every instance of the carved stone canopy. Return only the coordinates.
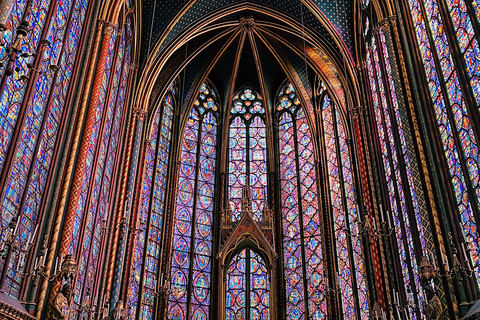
(11, 309)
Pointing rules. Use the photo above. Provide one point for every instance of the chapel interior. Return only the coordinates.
(239, 160)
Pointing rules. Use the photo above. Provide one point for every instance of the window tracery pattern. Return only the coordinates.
(302, 244)
(150, 217)
(248, 287)
(247, 156)
(30, 167)
(453, 116)
(192, 237)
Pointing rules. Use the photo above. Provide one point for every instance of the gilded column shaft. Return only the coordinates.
(83, 150)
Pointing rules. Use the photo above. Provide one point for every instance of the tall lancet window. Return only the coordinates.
(192, 238)
(350, 264)
(455, 97)
(305, 282)
(248, 287)
(401, 193)
(248, 156)
(144, 273)
(93, 206)
(30, 120)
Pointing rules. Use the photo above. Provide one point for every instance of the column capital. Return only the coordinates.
(139, 113)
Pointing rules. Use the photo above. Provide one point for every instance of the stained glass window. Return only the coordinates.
(396, 189)
(247, 156)
(350, 262)
(93, 206)
(248, 287)
(151, 212)
(305, 281)
(449, 97)
(190, 273)
(28, 172)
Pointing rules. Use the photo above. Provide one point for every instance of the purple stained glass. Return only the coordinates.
(152, 195)
(39, 131)
(340, 224)
(392, 176)
(12, 96)
(192, 237)
(101, 173)
(259, 288)
(236, 287)
(353, 220)
(467, 42)
(454, 101)
(301, 220)
(247, 153)
(247, 287)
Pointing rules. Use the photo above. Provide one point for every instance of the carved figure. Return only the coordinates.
(59, 307)
(119, 313)
(433, 309)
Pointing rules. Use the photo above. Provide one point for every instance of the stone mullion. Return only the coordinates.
(326, 233)
(277, 223)
(347, 227)
(91, 182)
(120, 202)
(143, 176)
(134, 226)
(422, 154)
(360, 118)
(126, 103)
(170, 225)
(220, 184)
(389, 246)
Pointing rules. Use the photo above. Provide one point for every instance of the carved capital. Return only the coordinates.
(384, 24)
(108, 28)
(139, 113)
(355, 112)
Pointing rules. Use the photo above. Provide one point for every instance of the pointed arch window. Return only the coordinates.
(452, 94)
(349, 257)
(248, 287)
(44, 108)
(191, 267)
(402, 196)
(145, 267)
(305, 281)
(247, 152)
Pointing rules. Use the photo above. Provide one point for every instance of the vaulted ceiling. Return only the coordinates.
(278, 39)
(158, 14)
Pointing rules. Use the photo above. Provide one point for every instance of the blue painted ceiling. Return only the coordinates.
(158, 13)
